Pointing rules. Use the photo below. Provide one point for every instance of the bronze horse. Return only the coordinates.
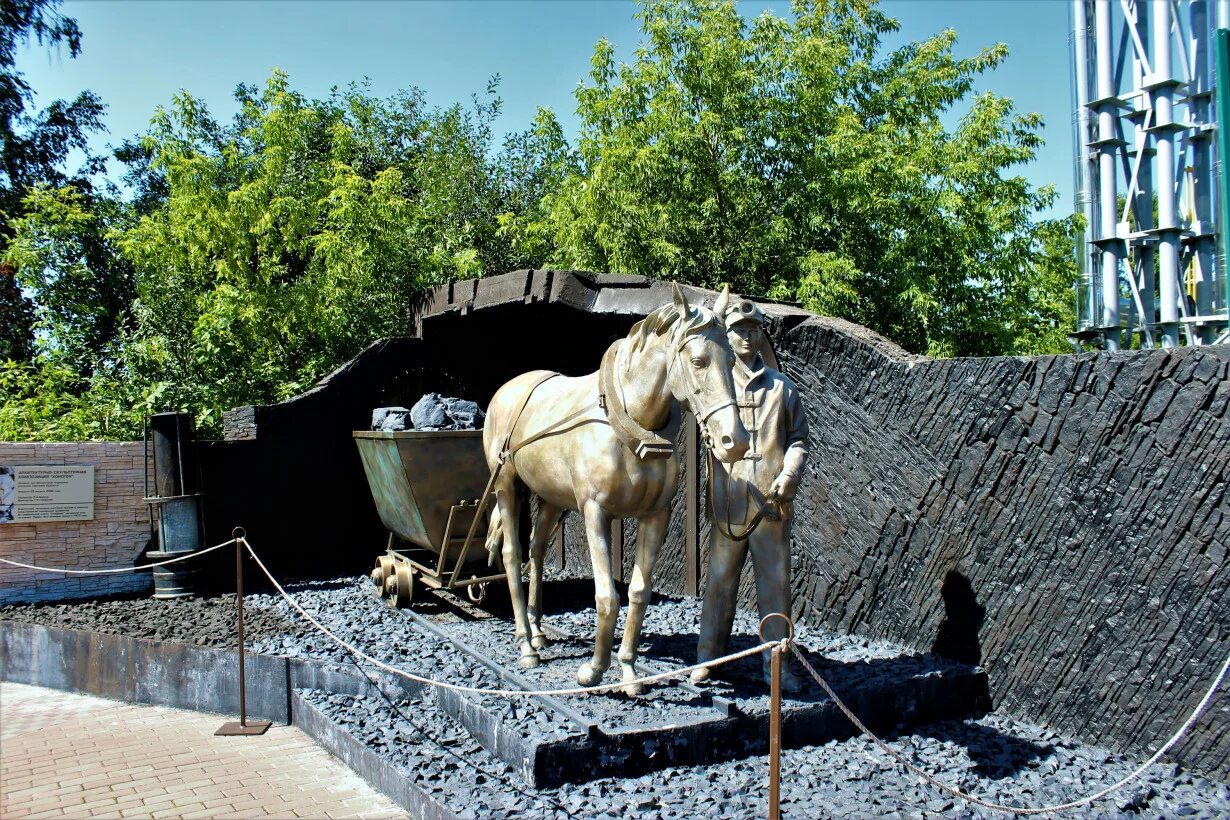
(584, 443)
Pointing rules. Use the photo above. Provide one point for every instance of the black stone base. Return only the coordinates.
(675, 723)
(672, 725)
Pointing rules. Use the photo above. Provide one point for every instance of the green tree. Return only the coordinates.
(34, 146)
(287, 241)
(800, 159)
(65, 253)
(254, 257)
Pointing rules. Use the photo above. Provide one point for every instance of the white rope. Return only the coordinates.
(953, 790)
(196, 554)
(579, 690)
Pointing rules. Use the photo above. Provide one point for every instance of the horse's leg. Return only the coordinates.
(651, 532)
(606, 598)
(510, 515)
(548, 516)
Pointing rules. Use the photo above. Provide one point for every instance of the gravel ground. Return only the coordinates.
(1000, 759)
(353, 611)
(199, 621)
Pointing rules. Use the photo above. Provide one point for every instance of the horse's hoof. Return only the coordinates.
(540, 641)
(700, 675)
(587, 675)
(529, 661)
(634, 689)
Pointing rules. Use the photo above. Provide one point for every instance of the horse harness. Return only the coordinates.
(645, 444)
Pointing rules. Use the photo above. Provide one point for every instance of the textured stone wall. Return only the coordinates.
(115, 538)
(1061, 520)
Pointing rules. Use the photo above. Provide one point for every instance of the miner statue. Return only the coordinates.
(750, 501)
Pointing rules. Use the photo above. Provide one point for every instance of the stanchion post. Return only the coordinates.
(775, 733)
(775, 712)
(243, 726)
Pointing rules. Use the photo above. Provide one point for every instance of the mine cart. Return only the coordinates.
(427, 486)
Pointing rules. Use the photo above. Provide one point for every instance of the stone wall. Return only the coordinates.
(1061, 520)
(115, 538)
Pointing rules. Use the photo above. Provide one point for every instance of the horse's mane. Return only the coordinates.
(662, 320)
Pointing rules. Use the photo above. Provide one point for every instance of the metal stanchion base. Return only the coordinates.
(252, 727)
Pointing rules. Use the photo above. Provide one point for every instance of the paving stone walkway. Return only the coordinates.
(69, 755)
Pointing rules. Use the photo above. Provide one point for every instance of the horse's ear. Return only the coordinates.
(723, 301)
(681, 302)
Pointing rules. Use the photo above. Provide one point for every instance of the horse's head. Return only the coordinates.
(698, 360)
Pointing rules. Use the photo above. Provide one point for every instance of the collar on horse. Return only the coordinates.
(643, 443)
(646, 444)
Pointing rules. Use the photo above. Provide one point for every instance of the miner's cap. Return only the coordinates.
(743, 310)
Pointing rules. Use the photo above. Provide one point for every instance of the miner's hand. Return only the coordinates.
(784, 488)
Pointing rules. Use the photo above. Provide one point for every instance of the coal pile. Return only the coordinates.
(390, 419)
(997, 759)
(198, 621)
(431, 412)
(436, 412)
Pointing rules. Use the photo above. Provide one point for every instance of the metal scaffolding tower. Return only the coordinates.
(1149, 171)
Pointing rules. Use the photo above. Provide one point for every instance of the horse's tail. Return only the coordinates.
(495, 536)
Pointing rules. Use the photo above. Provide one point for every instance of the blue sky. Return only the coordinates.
(137, 55)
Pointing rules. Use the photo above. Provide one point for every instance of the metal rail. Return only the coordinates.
(506, 675)
(725, 706)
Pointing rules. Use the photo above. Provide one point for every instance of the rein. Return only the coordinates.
(761, 514)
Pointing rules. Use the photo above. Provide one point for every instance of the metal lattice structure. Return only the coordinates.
(1149, 171)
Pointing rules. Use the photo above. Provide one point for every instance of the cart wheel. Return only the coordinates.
(477, 592)
(401, 587)
(380, 575)
(378, 578)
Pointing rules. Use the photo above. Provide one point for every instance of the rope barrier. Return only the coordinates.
(196, 554)
(475, 690)
(953, 790)
(585, 690)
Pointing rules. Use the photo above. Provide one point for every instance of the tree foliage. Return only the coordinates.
(795, 158)
(65, 253)
(800, 159)
(264, 252)
(34, 146)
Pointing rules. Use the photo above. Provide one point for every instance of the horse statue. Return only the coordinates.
(586, 443)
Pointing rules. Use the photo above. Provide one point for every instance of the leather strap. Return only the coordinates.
(769, 502)
(645, 444)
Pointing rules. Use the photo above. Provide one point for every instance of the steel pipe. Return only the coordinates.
(1167, 221)
(1107, 200)
(1087, 298)
(1142, 205)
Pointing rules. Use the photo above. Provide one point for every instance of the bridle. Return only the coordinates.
(702, 413)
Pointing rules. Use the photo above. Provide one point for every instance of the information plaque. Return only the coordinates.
(31, 493)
